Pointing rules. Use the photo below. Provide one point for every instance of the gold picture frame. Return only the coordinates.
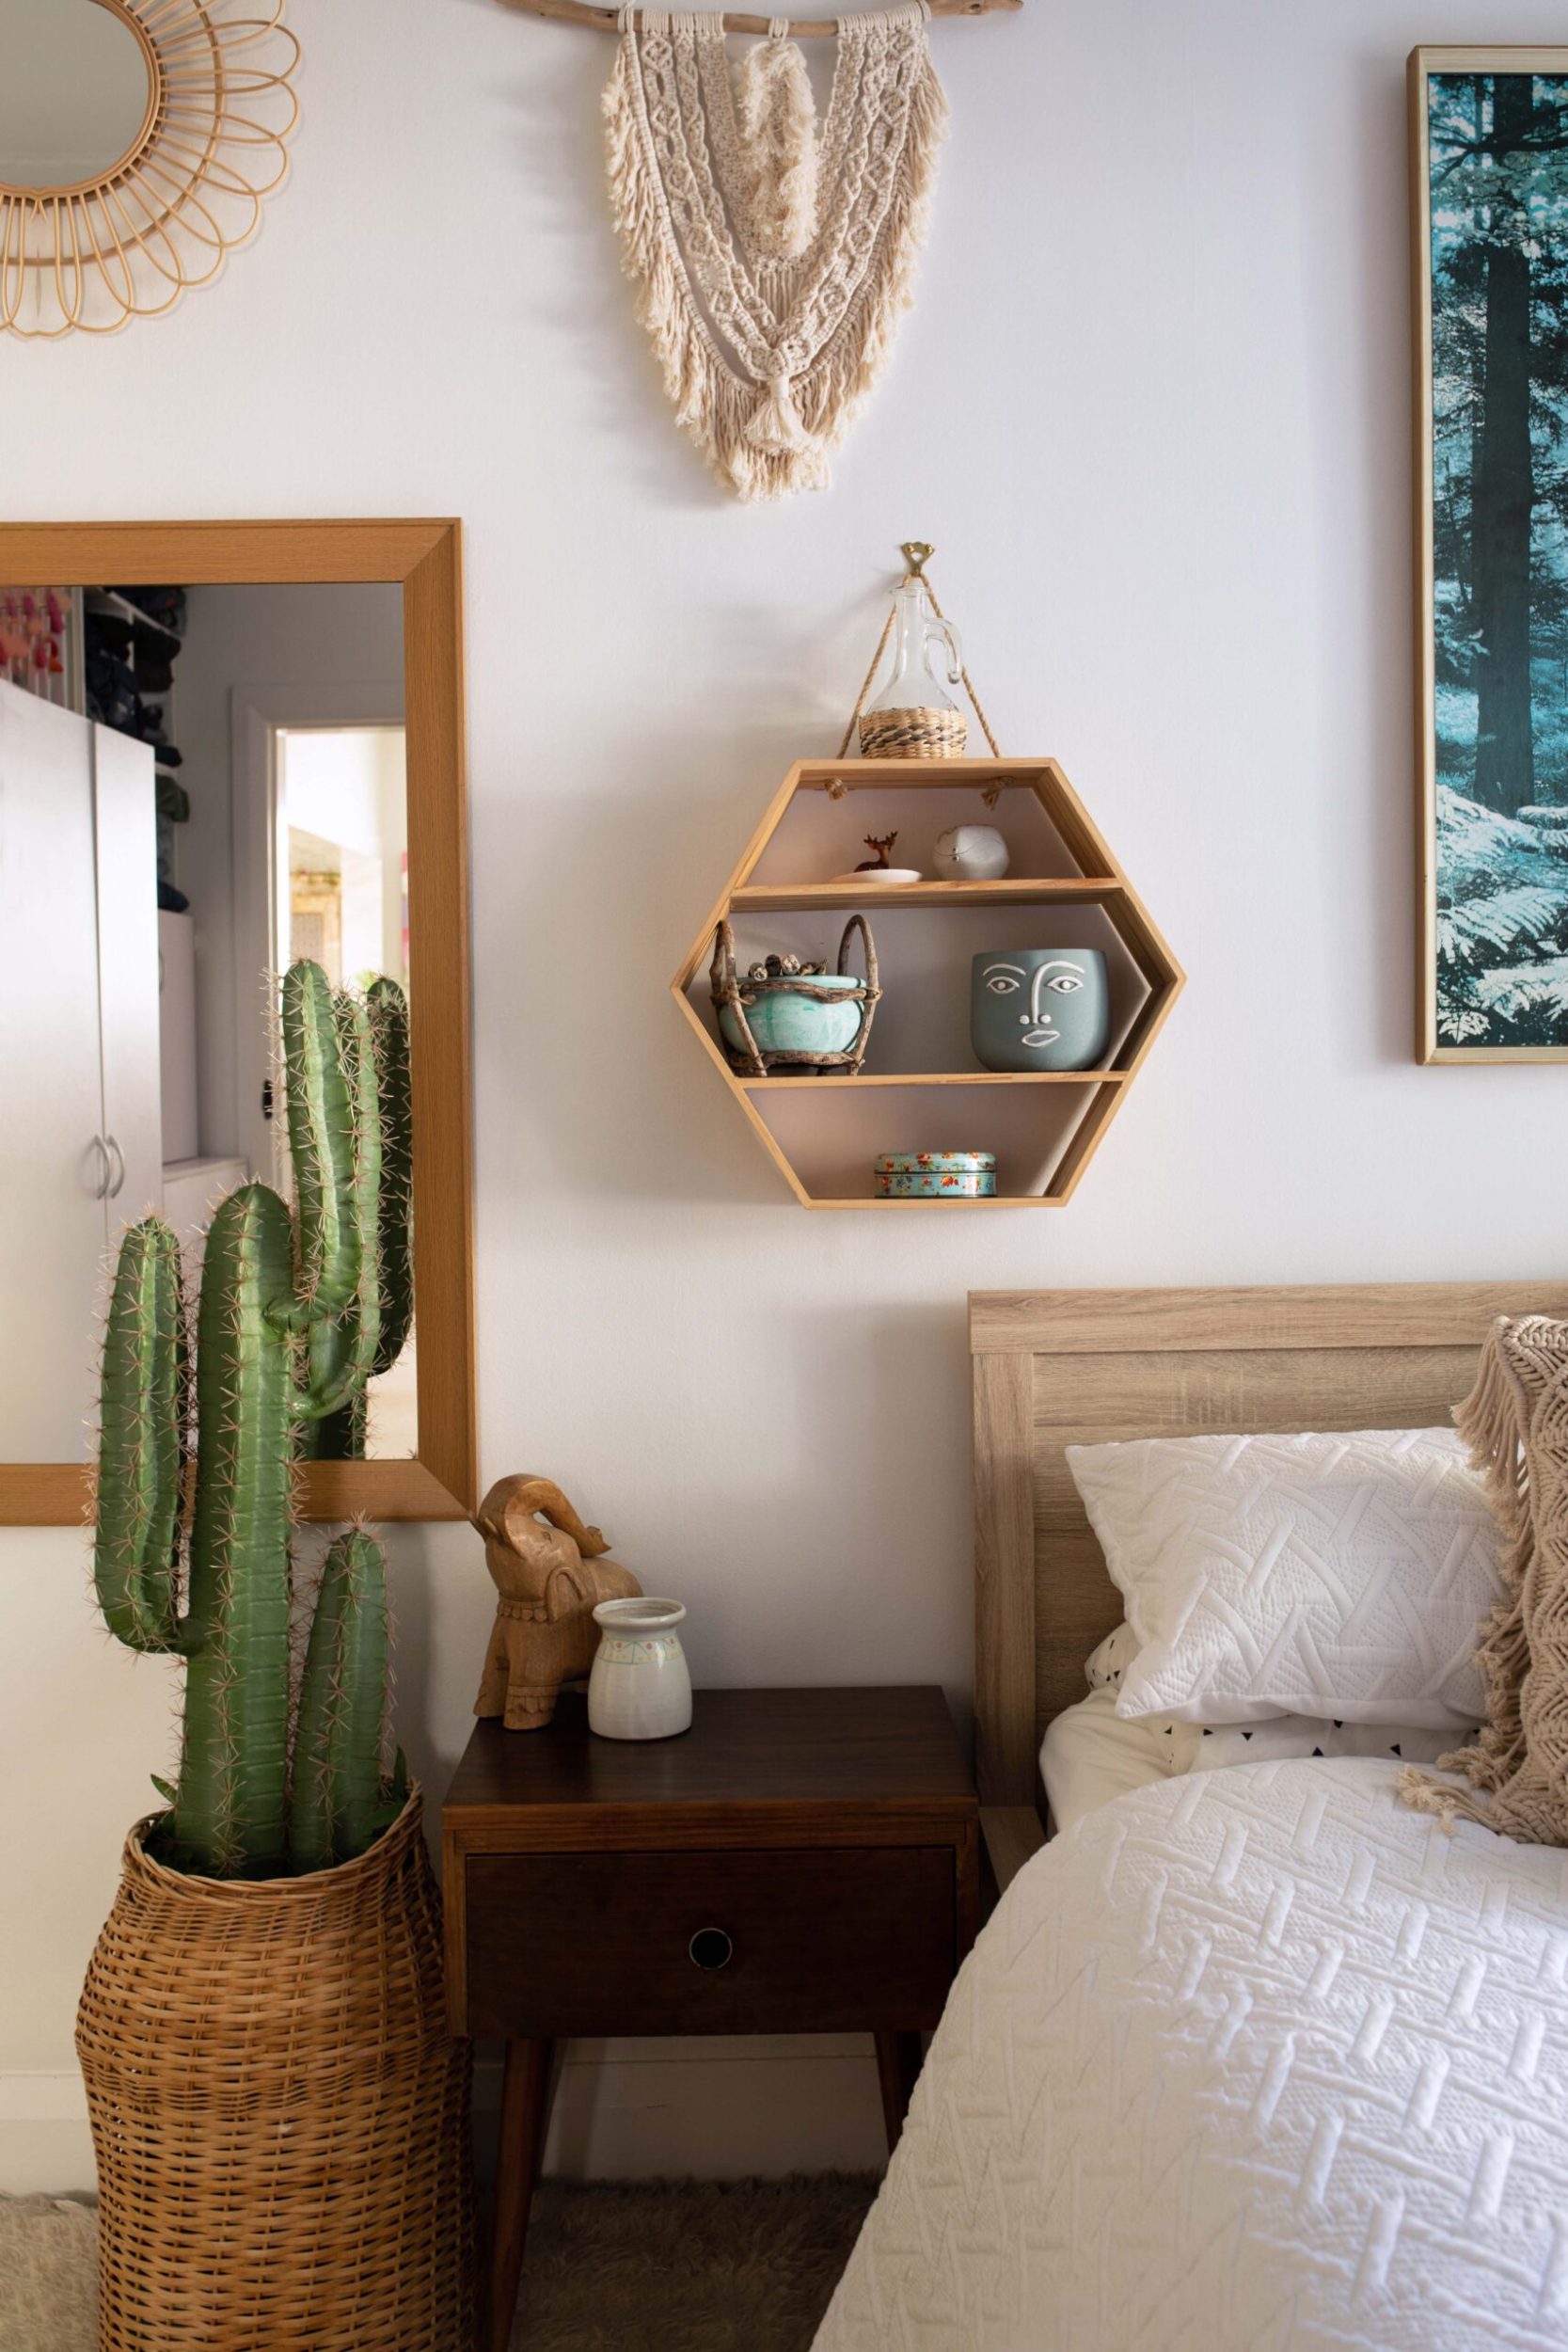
(126, 242)
(1460, 1005)
(423, 557)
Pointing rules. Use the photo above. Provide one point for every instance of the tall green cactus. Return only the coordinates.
(374, 1326)
(388, 1009)
(141, 1467)
(341, 1802)
(231, 1806)
(288, 1331)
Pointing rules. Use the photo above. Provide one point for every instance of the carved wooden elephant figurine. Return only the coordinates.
(549, 1579)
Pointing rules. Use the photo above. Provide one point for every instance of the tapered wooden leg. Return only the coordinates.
(899, 2056)
(525, 2114)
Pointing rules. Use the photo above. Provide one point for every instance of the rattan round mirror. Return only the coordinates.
(138, 138)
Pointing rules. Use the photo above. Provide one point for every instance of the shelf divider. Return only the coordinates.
(1020, 891)
(842, 1080)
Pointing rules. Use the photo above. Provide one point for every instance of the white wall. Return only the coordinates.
(1153, 410)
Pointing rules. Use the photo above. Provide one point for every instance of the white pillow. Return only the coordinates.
(1330, 1576)
(1205, 1747)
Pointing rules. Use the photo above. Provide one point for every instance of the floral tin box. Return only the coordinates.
(935, 1176)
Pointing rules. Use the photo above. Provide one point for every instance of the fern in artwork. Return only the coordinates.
(1502, 924)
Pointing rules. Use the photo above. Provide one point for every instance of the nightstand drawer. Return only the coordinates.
(814, 1940)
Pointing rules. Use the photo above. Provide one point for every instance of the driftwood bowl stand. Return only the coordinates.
(729, 988)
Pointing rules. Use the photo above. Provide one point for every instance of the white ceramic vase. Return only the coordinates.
(640, 1686)
(971, 853)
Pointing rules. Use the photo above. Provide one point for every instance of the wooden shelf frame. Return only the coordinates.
(1098, 881)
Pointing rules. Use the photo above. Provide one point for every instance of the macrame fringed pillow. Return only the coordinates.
(1517, 1422)
(772, 256)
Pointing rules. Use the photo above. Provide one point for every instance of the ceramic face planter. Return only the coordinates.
(1039, 1009)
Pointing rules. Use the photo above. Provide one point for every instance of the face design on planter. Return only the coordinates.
(1039, 1008)
(1058, 978)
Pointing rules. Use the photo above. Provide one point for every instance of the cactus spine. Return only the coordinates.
(288, 1328)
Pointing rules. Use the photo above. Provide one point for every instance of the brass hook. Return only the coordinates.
(917, 554)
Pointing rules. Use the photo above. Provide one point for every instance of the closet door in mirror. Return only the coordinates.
(127, 864)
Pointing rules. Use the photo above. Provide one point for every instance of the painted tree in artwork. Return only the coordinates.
(1502, 494)
(1499, 149)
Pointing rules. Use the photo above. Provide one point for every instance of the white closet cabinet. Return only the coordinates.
(125, 821)
(81, 1150)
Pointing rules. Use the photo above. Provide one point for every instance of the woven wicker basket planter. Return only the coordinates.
(279, 2115)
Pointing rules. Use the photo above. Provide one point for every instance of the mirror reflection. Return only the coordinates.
(199, 787)
(74, 91)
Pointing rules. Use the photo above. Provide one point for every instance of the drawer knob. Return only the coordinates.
(710, 1948)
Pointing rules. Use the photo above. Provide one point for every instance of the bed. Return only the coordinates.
(1258, 2058)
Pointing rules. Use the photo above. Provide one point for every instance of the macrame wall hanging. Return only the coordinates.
(772, 255)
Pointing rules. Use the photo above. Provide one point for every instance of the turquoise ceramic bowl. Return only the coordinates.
(935, 1176)
(783, 1023)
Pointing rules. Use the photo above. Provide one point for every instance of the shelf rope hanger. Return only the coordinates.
(600, 20)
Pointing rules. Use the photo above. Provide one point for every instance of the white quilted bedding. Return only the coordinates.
(1252, 2060)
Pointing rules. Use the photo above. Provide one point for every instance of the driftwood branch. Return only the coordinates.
(606, 20)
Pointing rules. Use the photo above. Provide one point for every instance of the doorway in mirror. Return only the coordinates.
(341, 896)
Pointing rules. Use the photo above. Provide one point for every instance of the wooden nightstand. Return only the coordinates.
(798, 1862)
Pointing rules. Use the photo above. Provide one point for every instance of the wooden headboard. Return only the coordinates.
(1059, 1368)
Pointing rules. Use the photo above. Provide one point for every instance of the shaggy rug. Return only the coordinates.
(639, 2267)
(687, 2265)
(48, 2298)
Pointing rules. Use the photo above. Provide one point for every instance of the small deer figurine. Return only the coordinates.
(875, 865)
(544, 1634)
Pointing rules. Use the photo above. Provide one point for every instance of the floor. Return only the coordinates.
(680, 2266)
(691, 2267)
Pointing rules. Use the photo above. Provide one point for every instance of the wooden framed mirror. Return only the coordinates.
(315, 673)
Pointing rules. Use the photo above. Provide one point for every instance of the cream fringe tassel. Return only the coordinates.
(778, 129)
(1513, 1421)
(803, 416)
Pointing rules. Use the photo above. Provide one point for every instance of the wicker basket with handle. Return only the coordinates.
(738, 996)
(279, 2115)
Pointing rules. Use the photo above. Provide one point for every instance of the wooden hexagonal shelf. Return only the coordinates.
(919, 1089)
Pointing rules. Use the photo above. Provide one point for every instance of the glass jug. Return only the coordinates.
(912, 715)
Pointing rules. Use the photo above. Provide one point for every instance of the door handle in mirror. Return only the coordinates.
(118, 1185)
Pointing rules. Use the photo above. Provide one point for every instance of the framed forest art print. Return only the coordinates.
(1489, 160)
